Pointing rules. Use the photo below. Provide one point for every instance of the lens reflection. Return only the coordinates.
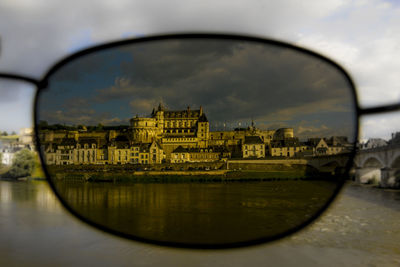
(197, 141)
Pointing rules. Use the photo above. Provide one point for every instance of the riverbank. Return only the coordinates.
(185, 176)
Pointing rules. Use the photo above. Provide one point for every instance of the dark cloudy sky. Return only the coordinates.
(234, 81)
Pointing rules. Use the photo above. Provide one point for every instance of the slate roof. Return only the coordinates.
(122, 138)
(122, 145)
(219, 149)
(182, 114)
(87, 141)
(290, 142)
(248, 140)
(203, 118)
(179, 149)
(374, 142)
(145, 147)
(67, 142)
(187, 113)
(313, 141)
(337, 141)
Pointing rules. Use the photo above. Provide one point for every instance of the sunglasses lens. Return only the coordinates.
(197, 141)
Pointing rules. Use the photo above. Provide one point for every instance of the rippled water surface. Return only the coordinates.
(361, 229)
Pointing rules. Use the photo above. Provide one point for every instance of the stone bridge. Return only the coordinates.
(379, 165)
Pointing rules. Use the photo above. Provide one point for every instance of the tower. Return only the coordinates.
(203, 129)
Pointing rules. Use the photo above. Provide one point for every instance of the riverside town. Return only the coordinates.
(167, 138)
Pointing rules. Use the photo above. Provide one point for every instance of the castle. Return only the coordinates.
(175, 137)
(187, 128)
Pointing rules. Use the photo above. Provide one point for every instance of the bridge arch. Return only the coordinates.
(379, 165)
(370, 171)
(373, 162)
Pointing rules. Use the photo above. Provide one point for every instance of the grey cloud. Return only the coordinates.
(363, 37)
(246, 79)
(83, 116)
(42, 33)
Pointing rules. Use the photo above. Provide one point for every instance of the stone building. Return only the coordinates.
(186, 128)
(210, 154)
(289, 147)
(253, 147)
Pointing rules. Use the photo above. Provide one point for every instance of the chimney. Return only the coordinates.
(201, 110)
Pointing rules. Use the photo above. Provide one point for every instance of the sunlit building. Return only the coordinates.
(186, 128)
(180, 136)
(253, 147)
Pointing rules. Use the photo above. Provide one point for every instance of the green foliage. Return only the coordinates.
(38, 171)
(23, 164)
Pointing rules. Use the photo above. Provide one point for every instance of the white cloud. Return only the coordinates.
(365, 38)
(371, 126)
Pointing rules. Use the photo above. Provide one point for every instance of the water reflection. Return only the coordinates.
(198, 213)
(35, 193)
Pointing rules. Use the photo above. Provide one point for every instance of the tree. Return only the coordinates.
(13, 133)
(23, 164)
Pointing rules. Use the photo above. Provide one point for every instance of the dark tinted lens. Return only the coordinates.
(197, 141)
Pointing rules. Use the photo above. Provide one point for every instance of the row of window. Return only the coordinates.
(179, 124)
(180, 139)
(85, 146)
(178, 131)
(254, 147)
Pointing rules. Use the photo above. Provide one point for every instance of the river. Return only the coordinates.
(361, 228)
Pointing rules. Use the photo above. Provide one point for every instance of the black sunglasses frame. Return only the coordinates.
(43, 84)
